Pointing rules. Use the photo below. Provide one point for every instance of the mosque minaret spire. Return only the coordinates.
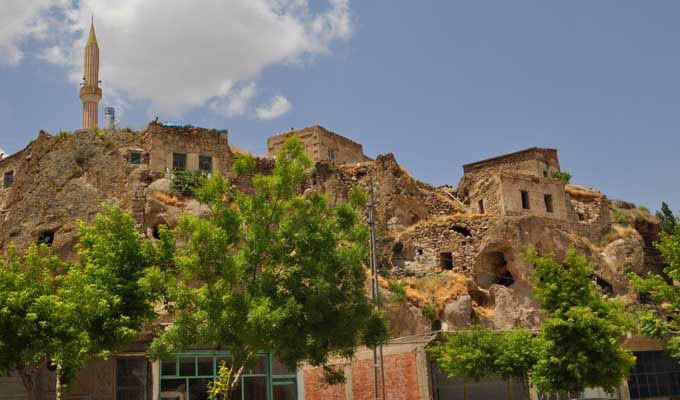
(90, 92)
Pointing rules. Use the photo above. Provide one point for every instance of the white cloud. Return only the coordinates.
(234, 102)
(178, 54)
(2, 153)
(279, 106)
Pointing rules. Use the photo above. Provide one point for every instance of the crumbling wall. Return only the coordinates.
(161, 141)
(534, 161)
(321, 145)
(537, 189)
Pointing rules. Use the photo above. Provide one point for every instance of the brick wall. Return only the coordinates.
(406, 374)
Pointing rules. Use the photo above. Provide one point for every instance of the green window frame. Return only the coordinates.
(190, 368)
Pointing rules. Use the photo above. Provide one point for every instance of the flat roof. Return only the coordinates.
(313, 127)
(529, 150)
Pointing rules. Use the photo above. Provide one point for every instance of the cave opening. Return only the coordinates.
(604, 286)
(46, 236)
(462, 230)
(493, 270)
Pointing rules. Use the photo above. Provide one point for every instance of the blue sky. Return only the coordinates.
(437, 83)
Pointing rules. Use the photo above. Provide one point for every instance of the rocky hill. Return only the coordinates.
(442, 264)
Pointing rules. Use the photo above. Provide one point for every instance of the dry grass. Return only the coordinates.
(436, 290)
(582, 191)
(619, 232)
(169, 199)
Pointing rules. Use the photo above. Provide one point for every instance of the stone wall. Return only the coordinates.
(534, 161)
(321, 145)
(589, 215)
(161, 141)
(537, 188)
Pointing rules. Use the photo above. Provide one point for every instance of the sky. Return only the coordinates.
(436, 83)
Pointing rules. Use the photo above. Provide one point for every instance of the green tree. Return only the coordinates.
(579, 343)
(483, 353)
(272, 270)
(668, 220)
(24, 281)
(661, 321)
(69, 313)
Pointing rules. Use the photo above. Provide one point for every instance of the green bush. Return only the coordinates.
(398, 290)
(186, 182)
(563, 176)
(620, 217)
(430, 312)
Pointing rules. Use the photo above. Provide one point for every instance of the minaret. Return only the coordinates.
(90, 92)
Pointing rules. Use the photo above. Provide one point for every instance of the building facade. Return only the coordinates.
(321, 145)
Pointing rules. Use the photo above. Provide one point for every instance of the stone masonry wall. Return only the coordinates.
(319, 143)
(537, 188)
(589, 216)
(534, 161)
(162, 141)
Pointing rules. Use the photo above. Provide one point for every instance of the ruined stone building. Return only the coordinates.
(321, 145)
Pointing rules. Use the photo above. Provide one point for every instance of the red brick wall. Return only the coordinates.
(317, 389)
(401, 380)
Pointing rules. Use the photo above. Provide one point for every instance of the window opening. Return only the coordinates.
(581, 217)
(462, 230)
(548, 202)
(9, 179)
(179, 161)
(131, 378)
(46, 236)
(446, 260)
(186, 376)
(135, 157)
(525, 199)
(654, 375)
(331, 154)
(420, 251)
(480, 205)
(205, 163)
(545, 173)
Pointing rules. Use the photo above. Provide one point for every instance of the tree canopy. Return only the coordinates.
(67, 313)
(662, 318)
(668, 220)
(577, 346)
(271, 270)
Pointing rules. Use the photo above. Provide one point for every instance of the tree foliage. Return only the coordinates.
(668, 220)
(272, 270)
(578, 345)
(68, 313)
(482, 352)
(661, 319)
(579, 342)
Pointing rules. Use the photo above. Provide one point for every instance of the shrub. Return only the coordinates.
(186, 182)
(620, 217)
(398, 290)
(430, 312)
(561, 175)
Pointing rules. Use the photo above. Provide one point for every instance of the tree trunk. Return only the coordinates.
(509, 390)
(27, 380)
(60, 388)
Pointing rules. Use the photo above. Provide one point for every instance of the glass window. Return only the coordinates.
(189, 374)
(187, 366)
(179, 161)
(205, 366)
(169, 367)
(135, 157)
(205, 163)
(9, 179)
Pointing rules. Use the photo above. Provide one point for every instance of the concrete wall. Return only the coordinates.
(318, 143)
(162, 141)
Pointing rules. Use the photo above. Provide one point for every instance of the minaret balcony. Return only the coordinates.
(90, 90)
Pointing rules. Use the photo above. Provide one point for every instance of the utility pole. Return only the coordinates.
(375, 295)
